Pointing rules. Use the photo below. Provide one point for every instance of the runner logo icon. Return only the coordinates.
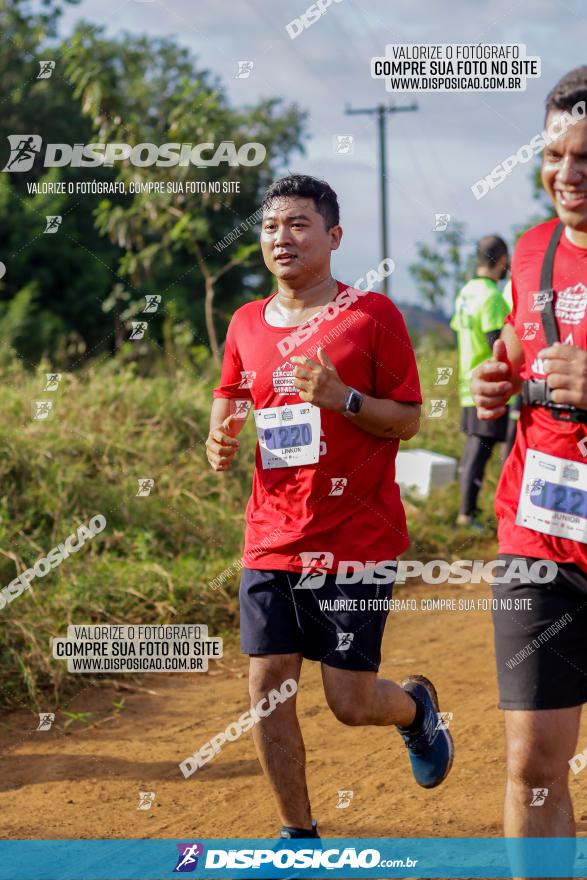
(344, 799)
(187, 860)
(437, 408)
(530, 331)
(138, 329)
(146, 800)
(46, 68)
(443, 720)
(24, 148)
(46, 719)
(315, 568)
(539, 795)
(247, 377)
(344, 641)
(443, 375)
(53, 223)
(539, 300)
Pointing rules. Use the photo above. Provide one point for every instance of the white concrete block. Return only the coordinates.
(421, 470)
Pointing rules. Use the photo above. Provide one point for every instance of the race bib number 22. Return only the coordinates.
(553, 499)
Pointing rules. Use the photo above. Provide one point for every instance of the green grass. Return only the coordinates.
(431, 521)
(154, 560)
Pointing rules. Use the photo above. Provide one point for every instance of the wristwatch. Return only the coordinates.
(354, 402)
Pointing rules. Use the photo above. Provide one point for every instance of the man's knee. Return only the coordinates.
(345, 708)
(347, 714)
(269, 674)
(349, 694)
(537, 766)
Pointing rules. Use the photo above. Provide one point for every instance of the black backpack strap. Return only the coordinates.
(548, 260)
(535, 392)
(546, 290)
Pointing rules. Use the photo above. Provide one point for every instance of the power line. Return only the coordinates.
(381, 111)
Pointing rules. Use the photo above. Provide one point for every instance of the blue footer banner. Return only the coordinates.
(260, 858)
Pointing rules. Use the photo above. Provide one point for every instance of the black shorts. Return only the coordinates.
(494, 429)
(541, 651)
(277, 618)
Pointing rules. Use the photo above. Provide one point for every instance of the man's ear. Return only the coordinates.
(335, 233)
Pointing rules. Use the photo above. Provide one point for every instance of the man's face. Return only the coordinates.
(564, 171)
(295, 242)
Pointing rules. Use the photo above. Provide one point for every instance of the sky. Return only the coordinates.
(434, 155)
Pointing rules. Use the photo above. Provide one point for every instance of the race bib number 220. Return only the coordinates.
(289, 436)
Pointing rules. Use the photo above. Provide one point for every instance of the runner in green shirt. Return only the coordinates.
(480, 311)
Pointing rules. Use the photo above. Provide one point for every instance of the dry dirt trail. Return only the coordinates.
(85, 784)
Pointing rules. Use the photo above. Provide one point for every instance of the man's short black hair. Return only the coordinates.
(304, 186)
(490, 249)
(568, 90)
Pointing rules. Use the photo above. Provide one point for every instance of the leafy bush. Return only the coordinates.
(154, 561)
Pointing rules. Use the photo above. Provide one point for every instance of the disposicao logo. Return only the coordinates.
(24, 149)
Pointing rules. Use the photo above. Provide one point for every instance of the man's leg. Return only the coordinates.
(540, 653)
(359, 698)
(476, 454)
(539, 745)
(278, 738)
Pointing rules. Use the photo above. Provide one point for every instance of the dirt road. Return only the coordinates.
(85, 782)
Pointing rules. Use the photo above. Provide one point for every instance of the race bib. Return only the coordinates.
(289, 436)
(553, 499)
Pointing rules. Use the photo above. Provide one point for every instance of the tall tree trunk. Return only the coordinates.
(209, 312)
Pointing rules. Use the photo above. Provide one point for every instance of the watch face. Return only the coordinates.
(355, 401)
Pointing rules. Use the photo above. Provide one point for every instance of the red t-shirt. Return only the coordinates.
(538, 429)
(310, 508)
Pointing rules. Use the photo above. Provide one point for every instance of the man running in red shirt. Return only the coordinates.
(332, 378)
(541, 501)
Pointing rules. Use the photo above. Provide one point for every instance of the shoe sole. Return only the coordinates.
(425, 682)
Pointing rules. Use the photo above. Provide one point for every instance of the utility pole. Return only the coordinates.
(381, 110)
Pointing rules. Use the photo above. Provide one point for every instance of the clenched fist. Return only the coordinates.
(221, 446)
(319, 383)
(492, 384)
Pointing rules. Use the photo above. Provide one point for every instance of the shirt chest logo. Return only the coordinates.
(247, 379)
(283, 379)
(571, 303)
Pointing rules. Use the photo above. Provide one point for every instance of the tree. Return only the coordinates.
(51, 293)
(140, 90)
(441, 271)
(71, 295)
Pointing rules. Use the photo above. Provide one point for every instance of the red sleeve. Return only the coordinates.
(233, 379)
(511, 318)
(396, 373)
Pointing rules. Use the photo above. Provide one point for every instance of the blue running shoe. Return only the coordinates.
(298, 836)
(286, 832)
(431, 747)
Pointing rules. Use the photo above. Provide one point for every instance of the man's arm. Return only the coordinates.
(387, 418)
(515, 353)
(320, 384)
(222, 445)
